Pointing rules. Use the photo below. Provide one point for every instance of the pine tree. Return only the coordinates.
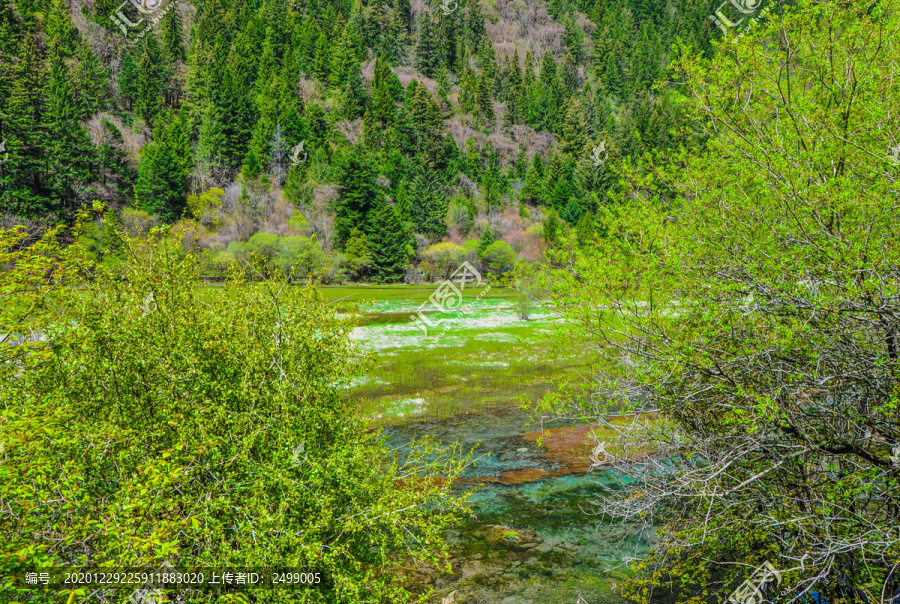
(90, 81)
(528, 70)
(24, 131)
(427, 46)
(357, 194)
(404, 12)
(552, 229)
(402, 203)
(237, 114)
(573, 37)
(304, 41)
(485, 102)
(371, 130)
(171, 27)
(568, 76)
(573, 134)
(384, 107)
(159, 188)
(343, 60)
(427, 127)
(533, 189)
(393, 163)
(70, 151)
(390, 243)
(322, 58)
(165, 165)
(490, 187)
(468, 91)
(487, 238)
(645, 61)
(128, 81)
(572, 211)
(59, 29)
(585, 230)
(427, 205)
(151, 79)
(353, 96)
(475, 32)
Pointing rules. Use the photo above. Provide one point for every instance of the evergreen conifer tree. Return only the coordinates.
(427, 205)
(357, 194)
(389, 242)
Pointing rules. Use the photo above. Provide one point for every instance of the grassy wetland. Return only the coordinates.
(474, 379)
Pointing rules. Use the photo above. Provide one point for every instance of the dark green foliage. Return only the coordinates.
(165, 164)
(172, 35)
(243, 79)
(357, 195)
(48, 157)
(152, 78)
(426, 203)
(426, 128)
(128, 81)
(487, 239)
(390, 243)
(427, 56)
(533, 189)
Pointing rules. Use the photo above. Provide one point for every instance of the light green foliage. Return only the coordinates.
(100, 239)
(359, 256)
(137, 222)
(498, 257)
(552, 229)
(441, 259)
(298, 223)
(749, 293)
(294, 253)
(159, 426)
(210, 199)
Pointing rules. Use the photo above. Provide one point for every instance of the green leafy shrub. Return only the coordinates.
(302, 256)
(498, 257)
(161, 423)
(441, 259)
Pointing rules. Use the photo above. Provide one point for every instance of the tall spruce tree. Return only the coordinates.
(389, 241)
(357, 195)
(427, 202)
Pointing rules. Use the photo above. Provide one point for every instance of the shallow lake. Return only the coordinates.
(534, 535)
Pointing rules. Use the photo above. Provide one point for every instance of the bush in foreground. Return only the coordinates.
(160, 421)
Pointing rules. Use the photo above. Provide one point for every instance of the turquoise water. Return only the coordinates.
(533, 538)
(560, 551)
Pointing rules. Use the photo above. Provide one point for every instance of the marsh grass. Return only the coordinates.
(487, 359)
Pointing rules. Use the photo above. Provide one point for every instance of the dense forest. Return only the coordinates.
(374, 142)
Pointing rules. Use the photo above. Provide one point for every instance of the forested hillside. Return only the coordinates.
(375, 142)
